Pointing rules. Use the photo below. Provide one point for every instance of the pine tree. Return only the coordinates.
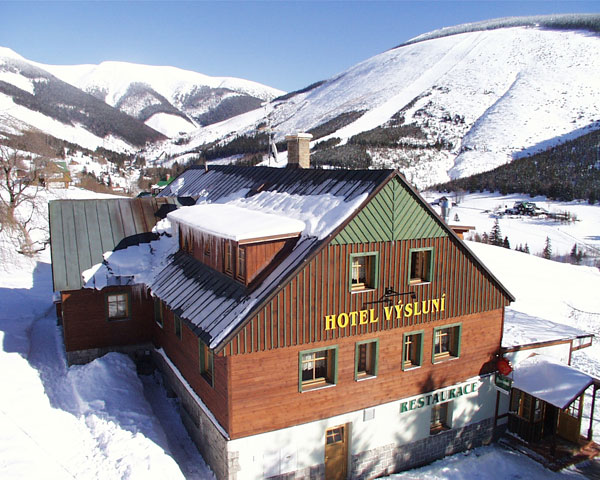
(456, 219)
(526, 249)
(547, 252)
(506, 243)
(485, 238)
(496, 235)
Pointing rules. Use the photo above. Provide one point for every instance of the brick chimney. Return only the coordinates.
(298, 147)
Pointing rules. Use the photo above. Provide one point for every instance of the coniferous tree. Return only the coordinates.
(496, 235)
(485, 238)
(526, 249)
(547, 252)
(506, 243)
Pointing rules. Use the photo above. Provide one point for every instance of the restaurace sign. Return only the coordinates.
(439, 396)
(391, 312)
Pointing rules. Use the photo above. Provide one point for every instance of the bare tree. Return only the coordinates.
(19, 185)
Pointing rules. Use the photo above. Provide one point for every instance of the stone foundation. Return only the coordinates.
(210, 441)
(391, 458)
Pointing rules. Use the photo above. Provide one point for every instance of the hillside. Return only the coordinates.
(564, 172)
(446, 106)
(169, 99)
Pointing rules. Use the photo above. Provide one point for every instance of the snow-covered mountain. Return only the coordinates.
(116, 105)
(446, 104)
(451, 104)
(168, 99)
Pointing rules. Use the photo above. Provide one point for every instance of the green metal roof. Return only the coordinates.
(82, 230)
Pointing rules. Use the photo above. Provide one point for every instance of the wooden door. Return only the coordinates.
(569, 421)
(336, 453)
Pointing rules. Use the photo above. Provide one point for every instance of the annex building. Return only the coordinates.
(313, 323)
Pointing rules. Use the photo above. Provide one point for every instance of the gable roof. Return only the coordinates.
(214, 311)
(81, 231)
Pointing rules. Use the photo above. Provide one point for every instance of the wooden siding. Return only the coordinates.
(260, 255)
(264, 392)
(393, 214)
(85, 323)
(296, 315)
(185, 355)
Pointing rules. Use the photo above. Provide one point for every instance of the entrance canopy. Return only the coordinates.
(550, 380)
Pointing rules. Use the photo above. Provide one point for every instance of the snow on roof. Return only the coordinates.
(550, 380)
(234, 222)
(522, 329)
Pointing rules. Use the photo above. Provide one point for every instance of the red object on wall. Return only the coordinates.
(503, 366)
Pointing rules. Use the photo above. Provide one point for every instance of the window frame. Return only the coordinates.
(228, 258)
(331, 369)
(373, 266)
(118, 318)
(206, 363)
(240, 263)
(420, 281)
(455, 343)
(421, 334)
(159, 315)
(444, 423)
(375, 360)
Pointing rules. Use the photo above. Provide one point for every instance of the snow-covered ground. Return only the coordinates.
(103, 421)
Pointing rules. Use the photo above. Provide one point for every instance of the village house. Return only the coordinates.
(313, 323)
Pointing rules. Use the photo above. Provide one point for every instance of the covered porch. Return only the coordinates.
(546, 411)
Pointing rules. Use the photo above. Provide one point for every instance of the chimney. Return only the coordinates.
(298, 147)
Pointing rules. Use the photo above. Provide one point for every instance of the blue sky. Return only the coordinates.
(284, 44)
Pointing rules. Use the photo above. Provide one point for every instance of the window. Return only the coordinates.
(117, 306)
(158, 312)
(446, 342)
(421, 265)
(241, 263)
(177, 321)
(412, 350)
(364, 268)
(524, 405)
(318, 368)
(366, 359)
(439, 418)
(206, 362)
(228, 263)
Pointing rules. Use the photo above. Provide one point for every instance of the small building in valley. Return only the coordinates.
(316, 323)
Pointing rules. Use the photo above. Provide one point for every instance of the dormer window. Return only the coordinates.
(241, 263)
(228, 260)
(242, 243)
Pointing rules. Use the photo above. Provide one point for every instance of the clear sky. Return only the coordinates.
(284, 44)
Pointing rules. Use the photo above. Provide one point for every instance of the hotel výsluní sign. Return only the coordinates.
(391, 312)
